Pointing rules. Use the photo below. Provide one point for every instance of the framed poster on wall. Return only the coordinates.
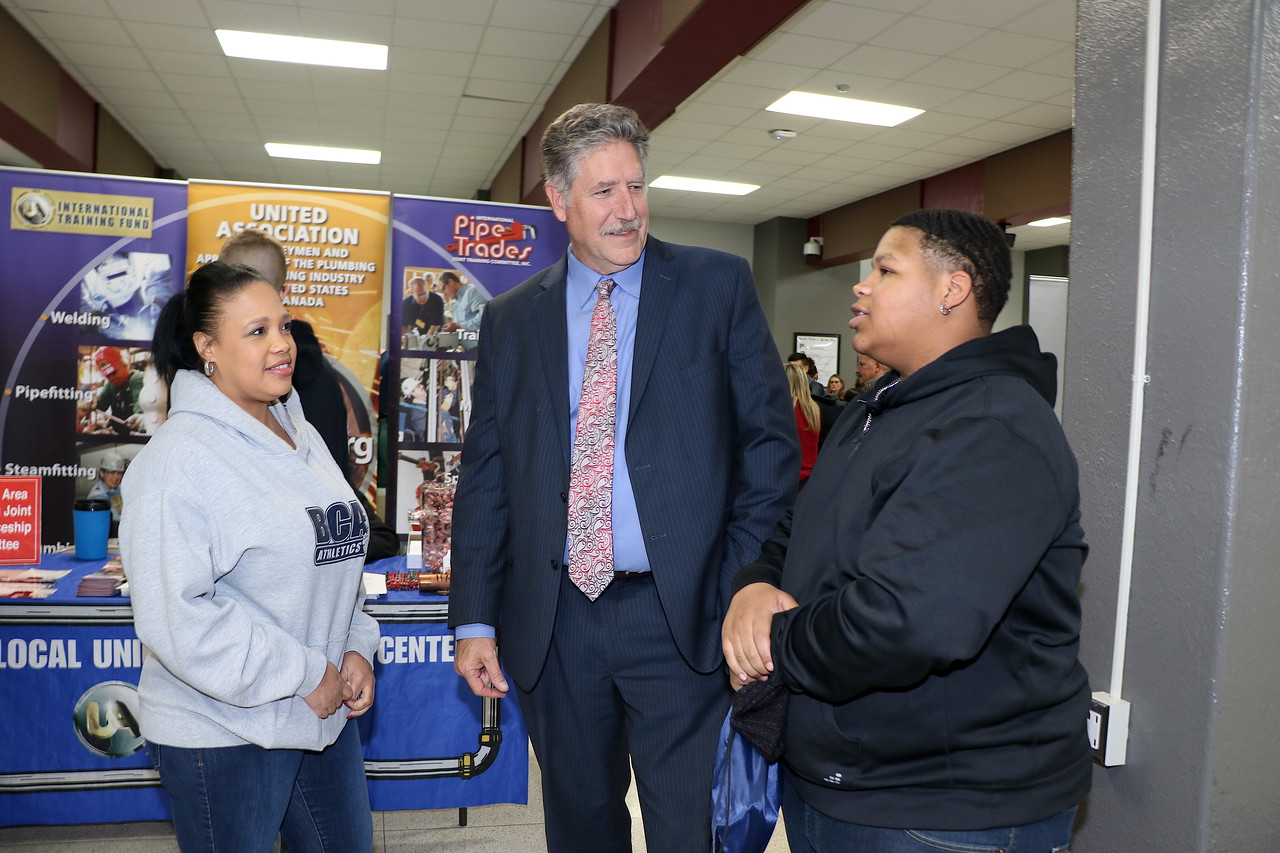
(823, 349)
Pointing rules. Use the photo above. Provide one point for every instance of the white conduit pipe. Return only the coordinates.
(1150, 112)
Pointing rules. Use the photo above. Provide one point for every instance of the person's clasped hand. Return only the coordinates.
(332, 691)
(745, 636)
(359, 675)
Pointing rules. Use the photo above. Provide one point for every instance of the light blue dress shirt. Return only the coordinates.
(629, 554)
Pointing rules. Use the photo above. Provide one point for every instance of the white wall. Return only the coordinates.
(727, 237)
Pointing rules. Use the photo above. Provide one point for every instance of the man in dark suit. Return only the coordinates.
(626, 670)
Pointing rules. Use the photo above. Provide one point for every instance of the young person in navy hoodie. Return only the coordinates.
(244, 548)
(918, 608)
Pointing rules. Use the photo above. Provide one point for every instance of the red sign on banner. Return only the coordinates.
(19, 521)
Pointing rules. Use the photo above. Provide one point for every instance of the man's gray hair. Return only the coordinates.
(579, 131)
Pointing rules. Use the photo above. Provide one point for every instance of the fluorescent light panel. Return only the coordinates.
(842, 109)
(309, 51)
(319, 152)
(700, 185)
(1052, 220)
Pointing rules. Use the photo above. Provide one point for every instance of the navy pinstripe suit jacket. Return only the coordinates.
(711, 447)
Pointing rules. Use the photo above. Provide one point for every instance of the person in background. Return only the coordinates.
(423, 310)
(919, 605)
(602, 509)
(868, 372)
(120, 396)
(808, 419)
(466, 306)
(835, 387)
(110, 472)
(244, 548)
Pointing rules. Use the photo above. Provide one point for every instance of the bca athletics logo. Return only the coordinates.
(340, 531)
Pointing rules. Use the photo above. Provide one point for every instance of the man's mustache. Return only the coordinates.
(623, 226)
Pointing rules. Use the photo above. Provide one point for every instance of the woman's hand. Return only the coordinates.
(745, 635)
(328, 697)
(359, 674)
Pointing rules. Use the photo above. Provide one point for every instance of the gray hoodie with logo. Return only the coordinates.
(244, 558)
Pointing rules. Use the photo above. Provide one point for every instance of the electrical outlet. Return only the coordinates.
(1108, 729)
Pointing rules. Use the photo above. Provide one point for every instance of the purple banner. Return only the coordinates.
(88, 261)
(448, 258)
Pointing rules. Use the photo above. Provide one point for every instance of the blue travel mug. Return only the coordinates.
(92, 526)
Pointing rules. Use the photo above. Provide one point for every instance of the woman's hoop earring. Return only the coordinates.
(208, 368)
(943, 309)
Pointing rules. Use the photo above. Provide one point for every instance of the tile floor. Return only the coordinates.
(489, 829)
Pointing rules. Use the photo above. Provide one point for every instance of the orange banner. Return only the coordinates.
(336, 244)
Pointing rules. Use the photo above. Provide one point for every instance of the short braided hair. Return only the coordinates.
(956, 239)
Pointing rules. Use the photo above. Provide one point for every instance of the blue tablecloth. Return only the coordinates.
(428, 742)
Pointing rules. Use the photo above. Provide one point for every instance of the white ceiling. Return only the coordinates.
(467, 79)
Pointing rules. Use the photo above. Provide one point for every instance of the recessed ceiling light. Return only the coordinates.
(344, 54)
(842, 109)
(319, 152)
(699, 185)
(1052, 220)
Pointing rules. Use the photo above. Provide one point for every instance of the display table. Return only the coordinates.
(69, 750)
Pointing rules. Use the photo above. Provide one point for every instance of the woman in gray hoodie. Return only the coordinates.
(244, 549)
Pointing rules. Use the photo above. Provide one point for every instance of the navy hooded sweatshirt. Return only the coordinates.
(935, 555)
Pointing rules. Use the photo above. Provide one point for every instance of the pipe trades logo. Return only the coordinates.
(340, 531)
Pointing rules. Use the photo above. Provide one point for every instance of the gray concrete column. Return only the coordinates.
(1203, 658)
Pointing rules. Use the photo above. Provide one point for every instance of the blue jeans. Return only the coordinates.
(810, 831)
(235, 799)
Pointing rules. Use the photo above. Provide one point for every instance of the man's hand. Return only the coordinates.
(745, 635)
(476, 660)
(359, 674)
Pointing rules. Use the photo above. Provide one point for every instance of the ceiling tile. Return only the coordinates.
(413, 32)
(164, 61)
(522, 44)
(958, 74)
(138, 98)
(1052, 19)
(470, 12)
(775, 75)
(1006, 134)
(173, 37)
(984, 106)
(512, 91)
(805, 50)
(94, 8)
(510, 68)
(415, 60)
(1008, 49)
(926, 35)
(543, 16)
(854, 24)
(345, 26)
(83, 28)
(123, 78)
(159, 11)
(988, 13)
(1028, 86)
(1048, 116)
(253, 17)
(107, 56)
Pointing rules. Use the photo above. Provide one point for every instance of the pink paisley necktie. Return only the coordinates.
(591, 475)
